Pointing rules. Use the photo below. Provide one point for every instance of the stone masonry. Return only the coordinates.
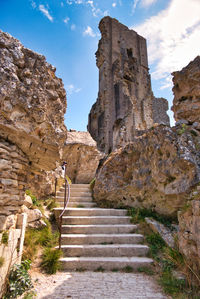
(125, 100)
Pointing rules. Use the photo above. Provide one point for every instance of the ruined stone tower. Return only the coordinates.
(125, 99)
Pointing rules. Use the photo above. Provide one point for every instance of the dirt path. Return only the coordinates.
(89, 285)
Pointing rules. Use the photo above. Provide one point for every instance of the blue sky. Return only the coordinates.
(66, 32)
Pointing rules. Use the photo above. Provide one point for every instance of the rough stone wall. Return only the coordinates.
(14, 168)
(159, 110)
(32, 133)
(82, 157)
(189, 232)
(158, 171)
(124, 102)
(32, 103)
(186, 103)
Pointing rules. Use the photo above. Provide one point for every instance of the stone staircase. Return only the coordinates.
(94, 238)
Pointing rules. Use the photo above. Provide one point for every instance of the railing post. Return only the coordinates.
(66, 200)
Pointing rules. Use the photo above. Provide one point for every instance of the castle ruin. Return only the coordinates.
(125, 102)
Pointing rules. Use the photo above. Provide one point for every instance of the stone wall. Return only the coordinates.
(158, 171)
(14, 167)
(82, 157)
(124, 102)
(32, 133)
(186, 103)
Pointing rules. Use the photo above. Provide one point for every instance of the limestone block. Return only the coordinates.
(34, 215)
(158, 170)
(28, 201)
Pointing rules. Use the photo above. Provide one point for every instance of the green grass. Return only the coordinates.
(50, 260)
(36, 238)
(100, 269)
(146, 270)
(139, 215)
(4, 239)
(127, 269)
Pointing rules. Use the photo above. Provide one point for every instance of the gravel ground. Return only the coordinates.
(86, 285)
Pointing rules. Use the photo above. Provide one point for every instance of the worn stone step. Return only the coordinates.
(74, 198)
(78, 204)
(107, 263)
(77, 239)
(105, 250)
(92, 212)
(78, 186)
(75, 193)
(99, 229)
(95, 220)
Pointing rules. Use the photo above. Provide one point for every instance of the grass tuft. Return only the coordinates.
(50, 260)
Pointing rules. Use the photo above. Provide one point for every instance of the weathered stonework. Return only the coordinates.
(158, 171)
(82, 157)
(32, 132)
(32, 103)
(125, 98)
(189, 233)
(186, 103)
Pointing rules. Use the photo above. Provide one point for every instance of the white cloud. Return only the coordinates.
(73, 27)
(66, 20)
(172, 37)
(89, 31)
(45, 11)
(72, 89)
(147, 3)
(114, 4)
(95, 11)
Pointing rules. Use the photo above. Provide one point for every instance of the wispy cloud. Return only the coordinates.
(89, 31)
(114, 4)
(66, 20)
(147, 3)
(45, 11)
(72, 89)
(172, 37)
(142, 3)
(135, 3)
(33, 4)
(73, 27)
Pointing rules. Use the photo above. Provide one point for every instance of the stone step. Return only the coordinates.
(99, 229)
(92, 212)
(75, 193)
(95, 220)
(74, 198)
(105, 250)
(78, 204)
(78, 187)
(102, 239)
(107, 263)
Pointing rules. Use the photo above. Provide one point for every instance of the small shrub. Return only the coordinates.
(156, 243)
(19, 280)
(4, 239)
(115, 270)
(2, 260)
(50, 260)
(80, 269)
(170, 284)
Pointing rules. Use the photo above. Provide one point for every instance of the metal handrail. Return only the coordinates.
(66, 200)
